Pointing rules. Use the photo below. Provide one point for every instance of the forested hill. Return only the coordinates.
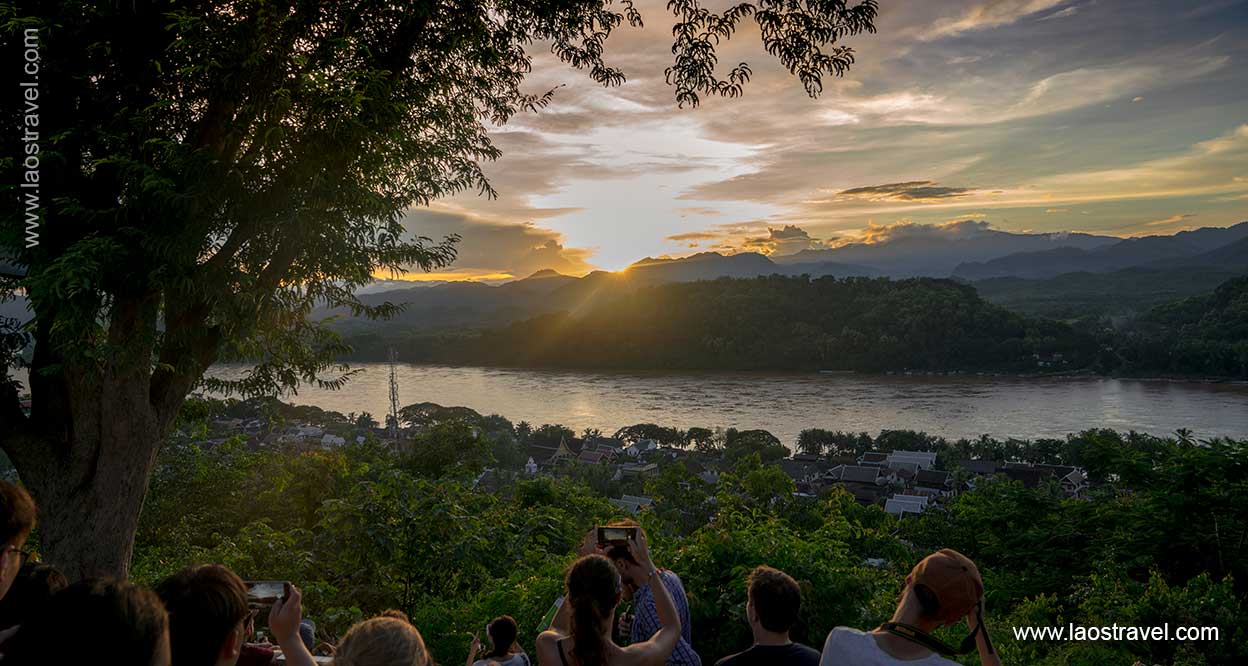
(775, 323)
(1204, 335)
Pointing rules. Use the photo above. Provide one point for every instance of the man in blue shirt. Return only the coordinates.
(645, 617)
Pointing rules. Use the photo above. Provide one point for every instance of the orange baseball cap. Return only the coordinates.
(955, 581)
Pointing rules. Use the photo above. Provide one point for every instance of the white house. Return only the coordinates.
(331, 439)
(913, 459)
(899, 505)
(530, 468)
(641, 446)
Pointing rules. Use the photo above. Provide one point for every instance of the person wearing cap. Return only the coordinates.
(942, 589)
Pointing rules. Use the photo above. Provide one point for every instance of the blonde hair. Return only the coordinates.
(382, 641)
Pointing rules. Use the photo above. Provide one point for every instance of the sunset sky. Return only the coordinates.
(1114, 117)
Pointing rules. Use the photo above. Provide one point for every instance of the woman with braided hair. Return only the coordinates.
(594, 590)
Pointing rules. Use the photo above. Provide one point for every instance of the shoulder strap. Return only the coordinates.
(920, 637)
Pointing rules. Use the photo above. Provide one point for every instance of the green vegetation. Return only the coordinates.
(772, 323)
(861, 324)
(1160, 538)
(1203, 335)
(1125, 293)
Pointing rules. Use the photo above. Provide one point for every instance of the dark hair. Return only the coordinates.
(776, 596)
(205, 604)
(929, 603)
(17, 513)
(593, 590)
(502, 632)
(32, 589)
(105, 617)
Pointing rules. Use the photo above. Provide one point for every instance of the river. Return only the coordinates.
(786, 403)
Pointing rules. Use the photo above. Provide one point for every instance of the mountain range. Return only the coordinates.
(1207, 248)
(1060, 275)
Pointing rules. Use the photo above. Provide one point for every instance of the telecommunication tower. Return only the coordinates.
(393, 419)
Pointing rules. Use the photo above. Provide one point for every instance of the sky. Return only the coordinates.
(1122, 118)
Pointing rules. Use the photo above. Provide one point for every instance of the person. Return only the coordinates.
(17, 519)
(386, 640)
(774, 600)
(95, 621)
(209, 618)
(504, 650)
(31, 590)
(594, 588)
(943, 588)
(644, 621)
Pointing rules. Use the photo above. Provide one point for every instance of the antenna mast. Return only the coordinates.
(393, 424)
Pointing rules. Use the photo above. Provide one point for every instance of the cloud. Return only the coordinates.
(498, 249)
(1208, 168)
(1173, 219)
(1063, 13)
(744, 237)
(789, 239)
(988, 15)
(880, 233)
(915, 190)
(976, 100)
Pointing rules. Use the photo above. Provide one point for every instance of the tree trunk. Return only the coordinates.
(89, 487)
(87, 529)
(89, 445)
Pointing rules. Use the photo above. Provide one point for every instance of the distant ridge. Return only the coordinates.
(933, 254)
(1154, 251)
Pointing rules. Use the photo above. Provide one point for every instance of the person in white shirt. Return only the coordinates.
(942, 589)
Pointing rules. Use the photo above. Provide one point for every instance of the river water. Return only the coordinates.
(786, 403)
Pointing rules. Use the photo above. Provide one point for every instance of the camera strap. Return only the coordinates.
(920, 637)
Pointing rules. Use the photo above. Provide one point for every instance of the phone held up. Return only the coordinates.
(265, 593)
(615, 535)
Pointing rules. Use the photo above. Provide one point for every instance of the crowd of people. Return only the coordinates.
(204, 616)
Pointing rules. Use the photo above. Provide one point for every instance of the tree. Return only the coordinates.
(551, 434)
(219, 168)
(449, 448)
(698, 437)
(742, 443)
(661, 434)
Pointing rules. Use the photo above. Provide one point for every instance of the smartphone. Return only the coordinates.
(607, 535)
(266, 592)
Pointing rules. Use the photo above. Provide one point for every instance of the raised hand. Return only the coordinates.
(286, 615)
(640, 550)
